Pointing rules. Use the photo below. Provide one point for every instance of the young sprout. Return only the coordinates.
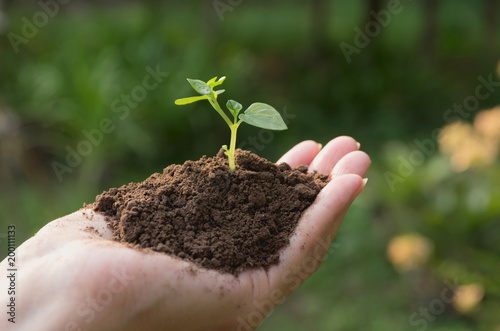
(257, 114)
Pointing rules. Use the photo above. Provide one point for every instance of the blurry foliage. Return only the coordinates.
(65, 79)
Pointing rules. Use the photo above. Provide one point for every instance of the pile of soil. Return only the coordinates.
(204, 213)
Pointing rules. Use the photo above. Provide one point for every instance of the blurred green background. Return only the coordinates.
(422, 222)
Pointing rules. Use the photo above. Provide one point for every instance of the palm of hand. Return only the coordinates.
(91, 283)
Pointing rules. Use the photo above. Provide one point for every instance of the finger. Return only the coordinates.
(314, 233)
(356, 162)
(301, 154)
(332, 153)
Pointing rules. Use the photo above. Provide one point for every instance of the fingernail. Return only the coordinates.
(359, 145)
(365, 180)
(320, 146)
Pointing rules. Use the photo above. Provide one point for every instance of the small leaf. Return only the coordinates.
(234, 107)
(200, 86)
(220, 92)
(211, 81)
(224, 147)
(215, 83)
(185, 101)
(263, 116)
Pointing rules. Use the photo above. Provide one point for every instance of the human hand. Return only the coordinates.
(73, 278)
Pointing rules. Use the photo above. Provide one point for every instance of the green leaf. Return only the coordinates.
(211, 81)
(200, 86)
(185, 101)
(234, 107)
(215, 83)
(263, 116)
(219, 92)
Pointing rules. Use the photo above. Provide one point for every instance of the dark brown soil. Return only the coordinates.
(204, 213)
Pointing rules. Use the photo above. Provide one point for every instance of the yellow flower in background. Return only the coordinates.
(408, 252)
(475, 151)
(468, 297)
(470, 146)
(453, 136)
(487, 123)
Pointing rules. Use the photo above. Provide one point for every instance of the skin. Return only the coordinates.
(70, 278)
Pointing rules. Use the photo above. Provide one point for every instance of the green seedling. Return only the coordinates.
(257, 114)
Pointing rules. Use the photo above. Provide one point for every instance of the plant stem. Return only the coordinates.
(215, 104)
(232, 146)
(233, 126)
